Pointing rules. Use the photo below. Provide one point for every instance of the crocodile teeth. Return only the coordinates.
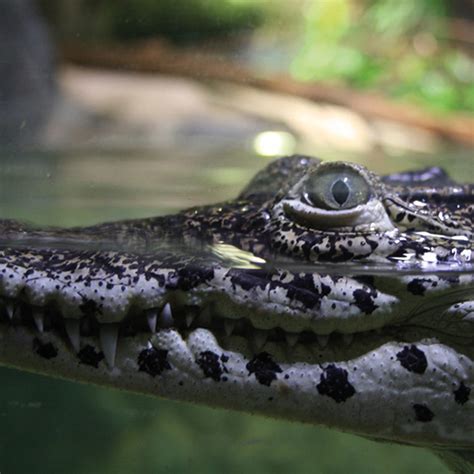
(38, 319)
(108, 340)
(348, 338)
(152, 316)
(291, 339)
(259, 339)
(10, 310)
(189, 319)
(229, 326)
(167, 316)
(322, 340)
(73, 331)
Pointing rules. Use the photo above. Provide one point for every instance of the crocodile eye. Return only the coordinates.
(337, 188)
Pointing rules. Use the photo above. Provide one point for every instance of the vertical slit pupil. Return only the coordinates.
(340, 192)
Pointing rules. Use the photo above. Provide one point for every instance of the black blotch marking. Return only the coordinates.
(309, 299)
(211, 366)
(192, 276)
(89, 356)
(422, 413)
(264, 368)
(46, 350)
(413, 359)
(302, 289)
(336, 254)
(416, 286)
(373, 244)
(364, 301)
(335, 384)
(325, 289)
(153, 361)
(461, 394)
(407, 248)
(248, 279)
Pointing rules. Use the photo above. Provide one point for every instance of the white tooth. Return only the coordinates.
(72, 330)
(291, 339)
(151, 316)
(38, 318)
(189, 319)
(108, 340)
(229, 326)
(259, 339)
(167, 316)
(347, 338)
(322, 340)
(10, 310)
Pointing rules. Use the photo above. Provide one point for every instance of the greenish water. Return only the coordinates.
(53, 426)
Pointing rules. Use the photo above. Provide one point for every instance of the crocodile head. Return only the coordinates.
(323, 294)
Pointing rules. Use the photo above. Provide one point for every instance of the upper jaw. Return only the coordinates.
(238, 332)
(333, 325)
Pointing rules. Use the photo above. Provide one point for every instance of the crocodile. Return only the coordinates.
(323, 293)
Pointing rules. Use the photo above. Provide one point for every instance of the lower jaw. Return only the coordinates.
(379, 405)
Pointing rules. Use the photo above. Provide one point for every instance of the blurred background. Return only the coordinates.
(113, 110)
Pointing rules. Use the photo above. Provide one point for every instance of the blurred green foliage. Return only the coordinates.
(394, 46)
(397, 47)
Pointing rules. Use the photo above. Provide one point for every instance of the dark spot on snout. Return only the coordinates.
(153, 361)
(334, 383)
(413, 359)
(462, 393)
(422, 413)
(211, 365)
(45, 350)
(89, 356)
(191, 276)
(364, 301)
(248, 279)
(264, 368)
(417, 287)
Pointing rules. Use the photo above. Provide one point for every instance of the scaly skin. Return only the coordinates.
(322, 294)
